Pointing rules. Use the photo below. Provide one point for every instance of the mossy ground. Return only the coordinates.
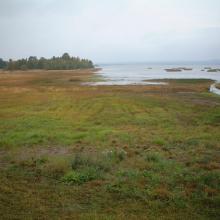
(69, 151)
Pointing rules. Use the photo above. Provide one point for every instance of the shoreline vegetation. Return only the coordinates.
(65, 62)
(69, 151)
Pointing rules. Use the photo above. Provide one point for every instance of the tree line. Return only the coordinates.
(65, 62)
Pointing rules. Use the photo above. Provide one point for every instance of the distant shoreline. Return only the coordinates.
(50, 70)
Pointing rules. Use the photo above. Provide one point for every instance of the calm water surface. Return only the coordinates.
(124, 74)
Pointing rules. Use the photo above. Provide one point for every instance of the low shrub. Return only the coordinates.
(159, 141)
(129, 174)
(98, 163)
(152, 177)
(56, 167)
(126, 191)
(103, 161)
(80, 177)
(115, 155)
(153, 157)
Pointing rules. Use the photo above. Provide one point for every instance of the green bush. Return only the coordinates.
(159, 142)
(80, 177)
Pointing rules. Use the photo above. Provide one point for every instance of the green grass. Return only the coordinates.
(109, 152)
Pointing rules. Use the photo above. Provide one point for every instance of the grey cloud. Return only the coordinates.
(111, 31)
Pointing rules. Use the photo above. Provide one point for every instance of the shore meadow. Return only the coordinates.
(75, 151)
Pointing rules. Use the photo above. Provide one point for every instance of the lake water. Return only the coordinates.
(125, 74)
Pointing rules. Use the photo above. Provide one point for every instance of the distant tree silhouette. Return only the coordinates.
(65, 62)
(3, 63)
(66, 56)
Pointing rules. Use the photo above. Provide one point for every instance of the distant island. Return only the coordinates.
(65, 62)
(178, 69)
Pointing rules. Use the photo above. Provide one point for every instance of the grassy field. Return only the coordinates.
(69, 151)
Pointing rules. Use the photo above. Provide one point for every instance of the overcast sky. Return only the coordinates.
(111, 30)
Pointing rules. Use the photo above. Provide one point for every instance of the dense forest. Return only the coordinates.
(65, 62)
